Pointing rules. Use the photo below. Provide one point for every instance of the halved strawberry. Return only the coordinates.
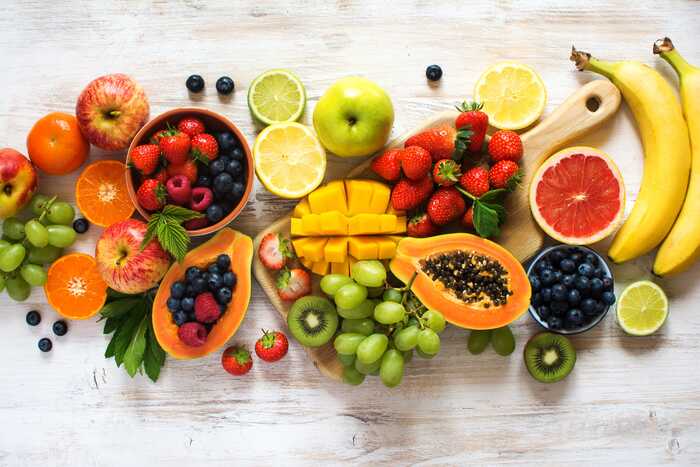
(274, 250)
(293, 283)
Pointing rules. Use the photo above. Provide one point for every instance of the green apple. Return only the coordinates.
(353, 118)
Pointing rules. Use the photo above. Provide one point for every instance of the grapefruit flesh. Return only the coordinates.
(577, 196)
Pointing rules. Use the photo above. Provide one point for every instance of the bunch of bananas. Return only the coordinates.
(667, 208)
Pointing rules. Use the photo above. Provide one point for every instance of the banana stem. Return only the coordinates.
(584, 61)
(668, 52)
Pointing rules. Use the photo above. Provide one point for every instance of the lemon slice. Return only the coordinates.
(642, 308)
(289, 159)
(513, 95)
(276, 96)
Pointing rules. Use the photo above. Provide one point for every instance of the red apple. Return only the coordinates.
(123, 265)
(111, 110)
(18, 182)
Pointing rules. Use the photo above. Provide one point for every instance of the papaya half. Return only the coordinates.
(240, 248)
(475, 283)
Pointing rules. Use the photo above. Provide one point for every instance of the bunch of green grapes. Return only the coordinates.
(26, 247)
(382, 326)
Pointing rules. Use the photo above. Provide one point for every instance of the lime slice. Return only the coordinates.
(642, 308)
(289, 159)
(513, 95)
(276, 96)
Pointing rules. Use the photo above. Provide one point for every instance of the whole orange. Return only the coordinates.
(56, 145)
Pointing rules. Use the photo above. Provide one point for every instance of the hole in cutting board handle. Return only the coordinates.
(593, 103)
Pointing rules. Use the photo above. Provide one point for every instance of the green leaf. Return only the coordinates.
(492, 195)
(167, 226)
(126, 332)
(500, 210)
(133, 355)
(114, 295)
(112, 324)
(151, 229)
(199, 157)
(178, 213)
(486, 220)
(118, 308)
(109, 351)
(154, 356)
(515, 180)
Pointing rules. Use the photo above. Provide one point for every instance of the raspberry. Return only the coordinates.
(179, 189)
(201, 198)
(206, 310)
(196, 224)
(192, 334)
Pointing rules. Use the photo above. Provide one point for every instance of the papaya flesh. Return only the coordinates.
(484, 286)
(240, 248)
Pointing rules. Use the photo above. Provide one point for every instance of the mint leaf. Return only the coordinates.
(154, 356)
(112, 324)
(180, 214)
(173, 238)
(118, 308)
(125, 333)
(486, 220)
(133, 355)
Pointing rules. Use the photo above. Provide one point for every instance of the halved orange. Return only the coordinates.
(101, 193)
(74, 287)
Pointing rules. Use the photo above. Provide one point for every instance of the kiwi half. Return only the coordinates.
(312, 321)
(549, 357)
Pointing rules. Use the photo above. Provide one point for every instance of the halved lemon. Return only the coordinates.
(289, 159)
(642, 308)
(276, 96)
(513, 95)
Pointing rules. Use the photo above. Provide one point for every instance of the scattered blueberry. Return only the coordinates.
(173, 304)
(81, 225)
(195, 83)
(191, 273)
(223, 295)
(217, 166)
(45, 344)
(203, 180)
(547, 276)
(180, 317)
(224, 85)
(177, 290)
(215, 213)
(433, 73)
(567, 265)
(227, 141)
(33, 318)
(573, 297)
(60, 328)
(187, 304)
(608, 298)
(224, 262)
(229, 279)
(574, 317)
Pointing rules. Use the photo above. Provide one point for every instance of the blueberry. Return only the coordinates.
(546, 295)
(222, 308)
(573, 297)
(599, 273)
(574, 317)
(215, 282)
(195, 83)
(199, 285)
(535, 283)
(567, 265)
(189, 291)
(177, 290)
(588, 306)
(214, 269)
(568, 280)
(576, 256)
(227, 141)
(596, 286)
(223, 295)
(536, 299)
(191, 273)
(187, 304)
(607, 283)
(591, 259)
(222, 183)
(229, 279)
(542, 265)
(215, 213)
(433, 73)
(33, 318)
(217, 167)
(556, 256)
(557, 275)
(608, 297)
(224, 262)
(225, 159)
(554, 322)
(237, 154)
(173, 304)
(559, 308)
(234, 167)
(237, 190)
(45, 344)
(543, 312)
(203, 180)
(180, 317)
(224, 85)
(582, 283)
(600, 307)
(585, 269)
(547, 277)
(60, 328)
(81, 225)
(558, 292)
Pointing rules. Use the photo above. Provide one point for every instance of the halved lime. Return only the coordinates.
(276, 96)
(642, 308)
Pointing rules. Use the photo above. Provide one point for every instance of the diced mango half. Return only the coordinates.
(330, 197)
(320, 267)
(301, 208)
(336, 250)
(380, 198)
(313, 250)
(308, 264)
(399, 226)
(386, 247)
(340, 268)
(363, 247)
(297, 227)
(333, 223)
(359, 195)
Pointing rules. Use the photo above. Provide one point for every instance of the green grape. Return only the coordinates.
(428, 341)
(33, 274)
(12, 256)
(352, 376)
(345, 360)
(332, 282)
(389, 312)
(392, 295)
(478, 340)
(18, 289)
(2, 282)
(412, 321)
(375, 292)
(61, 235)
(4, 244)
(347, 342)
(45, 255)
(36, 233)
(391, 370)
(372, 348)
(424, 355)
(370, 273)
(61, 213)
(503, 341)
(364, 310)
(407, 338)
(434, 320)
(38, 203)
(350, 295)
(372, 368)
(407, 356)
(363, 326)
(13, 228)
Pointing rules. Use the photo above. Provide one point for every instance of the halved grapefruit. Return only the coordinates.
(577, 196)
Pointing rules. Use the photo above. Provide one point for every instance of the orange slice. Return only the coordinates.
(74, 287)
(101, 193)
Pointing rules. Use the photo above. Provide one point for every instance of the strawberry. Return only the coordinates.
(191, 126)
(157, 136)
(274, 251)
(415, 162)
(468, 219)
(175, 147)
(446, 205)
(409, 194)
(420, 225)
(475, 123)
(272, 346)
(188, 169)
(438, 141)
(161, 175)
(293, 284)
(206, 309)
(145, 158)
(236, 360)
(387, 165)
(505, 145)
(475, 181)
(504, 173)
(446, 172)
(204, 147)
(151, 195)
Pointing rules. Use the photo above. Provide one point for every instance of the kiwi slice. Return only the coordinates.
(549, 357)
(312, 321)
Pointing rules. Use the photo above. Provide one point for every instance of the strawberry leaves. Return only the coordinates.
(462, 142)
(166, 225)
(489, 212)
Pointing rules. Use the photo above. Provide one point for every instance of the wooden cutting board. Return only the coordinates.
(587, 108)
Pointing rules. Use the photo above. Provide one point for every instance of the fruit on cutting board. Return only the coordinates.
(312, 321)
(664, 133)
(276, 96)
(513, 95)
(681, 247)
(353, 117)
(344, 221)
(473, 282)
(239, 249)
(74, 287)
(549, 357)
(18, 182)
(642, 308)
(101, 193)
(577, 196)
(55, 144)
(111, 110)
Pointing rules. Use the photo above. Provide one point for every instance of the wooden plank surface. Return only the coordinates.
(629, 400)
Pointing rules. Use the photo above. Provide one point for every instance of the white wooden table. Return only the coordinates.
(629, 400)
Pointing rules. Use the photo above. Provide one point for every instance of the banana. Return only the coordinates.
(664, 134)
(682, 246)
